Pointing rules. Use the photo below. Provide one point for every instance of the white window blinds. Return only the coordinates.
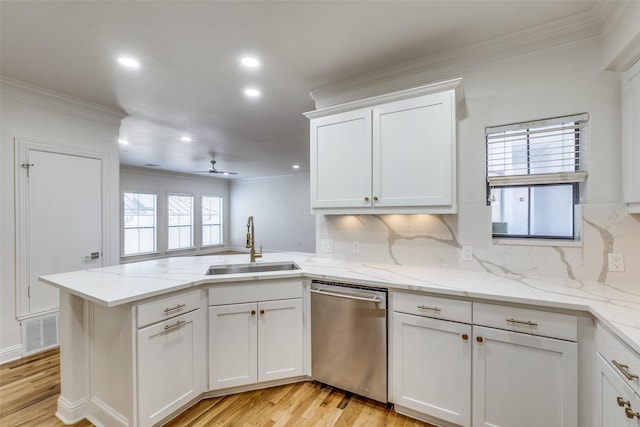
(540, 152)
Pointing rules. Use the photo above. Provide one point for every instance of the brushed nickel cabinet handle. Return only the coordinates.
(424, 307)
(177, 307)
(375, 198)
(366, 199)
(522, 322)
(175, 325)
(625, 370)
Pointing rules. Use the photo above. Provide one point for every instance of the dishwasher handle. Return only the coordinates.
(333, 294)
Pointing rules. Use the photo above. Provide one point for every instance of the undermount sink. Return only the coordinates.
(216, 270)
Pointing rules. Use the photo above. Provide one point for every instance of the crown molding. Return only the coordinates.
(453, 84)
(581, 28)
(45, 98)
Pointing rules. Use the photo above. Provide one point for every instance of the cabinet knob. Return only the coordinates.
(375, 198)
(622, 402)
(479, 339)
(261, 311)
(465, 337)
(366, 199)
(253, 312)
(630, 414)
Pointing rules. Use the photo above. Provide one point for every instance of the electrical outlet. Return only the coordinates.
(355, 247)
(327, 245)
(616, 262)
(467, 253)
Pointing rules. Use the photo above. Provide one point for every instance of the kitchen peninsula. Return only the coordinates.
(109, 315)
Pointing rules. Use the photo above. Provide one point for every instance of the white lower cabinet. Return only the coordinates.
(432, 368)
(617, 404)
(255, 342)
(618, 382)
(523, 380)
(169, 360)
(511, 367)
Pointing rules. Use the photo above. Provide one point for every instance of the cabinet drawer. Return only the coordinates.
(430, 306)
(166, 308)
(543, 323)
(240, 292)
(622, 359)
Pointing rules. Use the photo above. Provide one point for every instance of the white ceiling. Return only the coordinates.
(190, 81)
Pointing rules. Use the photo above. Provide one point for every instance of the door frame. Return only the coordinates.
(22, 147)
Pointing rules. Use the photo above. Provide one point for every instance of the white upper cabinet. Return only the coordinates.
(341, 160)
(631, 136)
(389, 157)
(413, 152)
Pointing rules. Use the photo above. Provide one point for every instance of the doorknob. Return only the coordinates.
(93, 255)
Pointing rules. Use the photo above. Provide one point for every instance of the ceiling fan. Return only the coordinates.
(214, 170)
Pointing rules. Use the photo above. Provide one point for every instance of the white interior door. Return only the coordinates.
(63, 220)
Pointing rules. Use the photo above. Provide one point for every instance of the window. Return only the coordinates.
(180, 221)
(534, 173)
(139, 223)
(211, 220)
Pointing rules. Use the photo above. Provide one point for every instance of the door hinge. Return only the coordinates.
(28, 291)
(27, 166)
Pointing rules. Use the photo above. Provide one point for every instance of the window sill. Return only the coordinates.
(538, 242)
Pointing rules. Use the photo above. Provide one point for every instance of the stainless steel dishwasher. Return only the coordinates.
(349, 338)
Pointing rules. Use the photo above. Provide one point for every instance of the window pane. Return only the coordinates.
(552, 210)
(510, 210)
(211, 220)
(180, 219)
(139, 222)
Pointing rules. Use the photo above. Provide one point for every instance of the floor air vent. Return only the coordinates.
(40, 333)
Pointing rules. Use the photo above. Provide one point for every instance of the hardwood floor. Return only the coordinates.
(29, 390)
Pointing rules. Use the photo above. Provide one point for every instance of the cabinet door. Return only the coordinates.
(631, 136)
(280, 339)
(341, 160)
(232, 345)
(523, 380)
(613, 395)
(432, 367)
(169, 358)
(414, 151)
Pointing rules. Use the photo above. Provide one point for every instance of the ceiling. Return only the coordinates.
(191, 82)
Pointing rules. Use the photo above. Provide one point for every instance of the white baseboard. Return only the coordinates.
(11, 353)
(104, 415)
(71, 412)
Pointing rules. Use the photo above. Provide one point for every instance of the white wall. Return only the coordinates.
(40, 116)
(163, 183)
(554, 82)
(281, 210)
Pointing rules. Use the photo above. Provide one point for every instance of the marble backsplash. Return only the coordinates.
(437, 240)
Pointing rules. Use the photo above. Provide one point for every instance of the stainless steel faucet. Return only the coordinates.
(251, 242)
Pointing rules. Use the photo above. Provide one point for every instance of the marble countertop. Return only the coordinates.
(617, 306)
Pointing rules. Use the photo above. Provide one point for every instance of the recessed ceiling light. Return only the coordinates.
(250, 62)
(252, 92)
(186, 139)
(128, 62)
(296, 166)
(123, 141)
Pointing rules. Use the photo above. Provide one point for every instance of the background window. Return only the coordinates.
(180, 221)
(211, 220)
(534, 171)
(139, 219)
